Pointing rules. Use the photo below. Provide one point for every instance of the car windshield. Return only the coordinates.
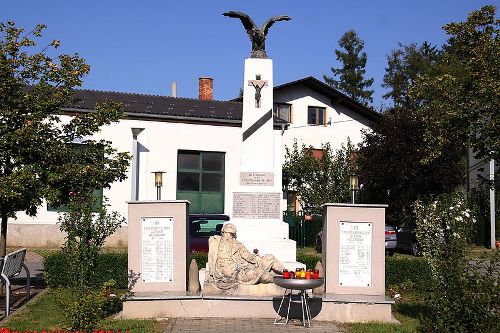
(206, 226)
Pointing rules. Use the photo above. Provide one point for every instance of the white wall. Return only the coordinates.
(159, 143)
(344, 122)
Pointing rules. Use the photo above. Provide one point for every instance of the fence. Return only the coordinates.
(303, 228)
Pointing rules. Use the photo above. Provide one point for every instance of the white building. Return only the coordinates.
(197, 143)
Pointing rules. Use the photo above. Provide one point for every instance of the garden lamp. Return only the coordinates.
(158, 183)
(353, 185)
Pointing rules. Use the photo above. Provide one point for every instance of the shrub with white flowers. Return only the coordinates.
(464, 294)
(444, 225)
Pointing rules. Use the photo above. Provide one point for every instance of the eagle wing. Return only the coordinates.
(244, 18)
(270, 22)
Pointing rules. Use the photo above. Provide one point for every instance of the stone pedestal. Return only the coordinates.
(157, 246)
(354, 249)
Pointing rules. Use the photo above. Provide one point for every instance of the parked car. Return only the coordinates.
(407, 240)
(201, 227)
(390, 240)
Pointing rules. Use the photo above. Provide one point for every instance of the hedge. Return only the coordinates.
(412, 271)
(110, 265)
(398, 270)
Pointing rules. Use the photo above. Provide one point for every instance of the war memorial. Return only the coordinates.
(243, 277)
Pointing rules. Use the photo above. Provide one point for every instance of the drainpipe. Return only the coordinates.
(135, 164)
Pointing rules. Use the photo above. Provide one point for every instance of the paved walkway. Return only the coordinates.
(218, 325)
(35, 266)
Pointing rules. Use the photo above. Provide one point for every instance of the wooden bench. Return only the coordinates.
(11, 265)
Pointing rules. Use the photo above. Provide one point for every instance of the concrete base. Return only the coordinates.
(341, 308)
(261, 289)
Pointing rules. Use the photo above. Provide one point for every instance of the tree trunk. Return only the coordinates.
(3, 236)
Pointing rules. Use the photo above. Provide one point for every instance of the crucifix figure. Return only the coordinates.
(258, 84)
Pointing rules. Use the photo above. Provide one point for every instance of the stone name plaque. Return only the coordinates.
(157, 260)
(256, 179)
(256, 205)
(355, 255)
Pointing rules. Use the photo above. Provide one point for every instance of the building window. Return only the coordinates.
(200, 179)
(283, 111)
(315, 115)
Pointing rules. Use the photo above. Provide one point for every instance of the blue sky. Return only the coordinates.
(143, 46)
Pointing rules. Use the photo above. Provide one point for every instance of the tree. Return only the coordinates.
(351, 76)
(39, 159)
(404, 65)
(391, 169)
(318, 179)
(461, 101)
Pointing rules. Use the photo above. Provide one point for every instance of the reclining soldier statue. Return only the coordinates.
(230, 264)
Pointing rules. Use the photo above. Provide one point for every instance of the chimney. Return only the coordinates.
(174, 89)
(205, 88)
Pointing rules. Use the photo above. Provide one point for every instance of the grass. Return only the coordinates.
(407, 311)
(46, 313)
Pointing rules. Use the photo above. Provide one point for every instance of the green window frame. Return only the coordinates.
(200, 179)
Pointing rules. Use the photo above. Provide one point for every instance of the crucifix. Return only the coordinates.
(258, 84)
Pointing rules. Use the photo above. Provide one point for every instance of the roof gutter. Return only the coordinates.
(162, 116)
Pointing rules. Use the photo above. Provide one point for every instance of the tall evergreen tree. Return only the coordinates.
(350, 78)
(404, 65)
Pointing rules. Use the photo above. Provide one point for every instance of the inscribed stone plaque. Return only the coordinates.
(157, 249)
(255, 205)
(355, 256)
(256, 179)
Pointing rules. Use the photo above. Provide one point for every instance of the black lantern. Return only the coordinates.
(158, 183)
(353, 185)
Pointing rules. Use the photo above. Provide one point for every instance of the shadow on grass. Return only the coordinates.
(412, 310)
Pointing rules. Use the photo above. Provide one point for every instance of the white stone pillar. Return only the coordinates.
(257, 203)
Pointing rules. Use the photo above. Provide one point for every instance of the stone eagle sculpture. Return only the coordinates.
(257, 36)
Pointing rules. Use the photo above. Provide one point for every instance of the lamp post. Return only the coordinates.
(158, 183)
(353, 185)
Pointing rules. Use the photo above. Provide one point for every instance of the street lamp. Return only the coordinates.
(353, 185)
(158, 183)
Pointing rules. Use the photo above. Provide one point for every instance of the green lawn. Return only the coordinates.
(46, 313)
(407, 311)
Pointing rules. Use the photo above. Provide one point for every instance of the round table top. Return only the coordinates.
(298, 284)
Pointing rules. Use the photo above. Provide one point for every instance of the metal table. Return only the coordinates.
(302, 285)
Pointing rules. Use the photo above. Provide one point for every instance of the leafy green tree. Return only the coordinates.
(350, 78)
(460, 102)
(38, 159)
(391, 169)
(404, 65)
(318, 179)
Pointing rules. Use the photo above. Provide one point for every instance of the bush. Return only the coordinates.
(87, 225)
(407, 271)
(464, 295)
(309, 260)
(84, 309)
(110, 265)
(200, 257)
